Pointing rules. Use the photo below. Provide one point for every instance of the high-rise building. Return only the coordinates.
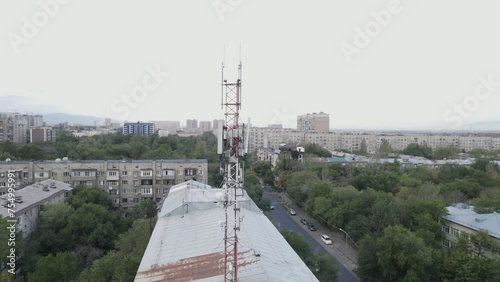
(13, 128)
(205, 125)
(191, 123)
(315, 122)
(43, 134)
(141, 128)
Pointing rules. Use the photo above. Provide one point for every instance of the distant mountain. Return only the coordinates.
(55, 118)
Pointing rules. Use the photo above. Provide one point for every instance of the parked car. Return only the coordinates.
(312, 227)
(326, 239)
(292, 212)
(272, 207)
(303, 221)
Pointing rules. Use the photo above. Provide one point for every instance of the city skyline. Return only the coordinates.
(373, 66)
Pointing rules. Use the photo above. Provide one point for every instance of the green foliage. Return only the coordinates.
(59, 267)
(385, 149)
(445, 153)
(400, 256)
(121, 264)
(82, 195)
(417, 150)
(487, 204)
(317, 150)
(322, 265)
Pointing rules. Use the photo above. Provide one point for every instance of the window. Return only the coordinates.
(146, 182)
(2, 184)
(179, 172)
(113, 182)
(124, 200)
(146, 173)
(124, 191)
(87, 173)
(136, 191)
(136, 200)
(157, 191)
(124, 173)
(90, 183)
(54, 174)
(454, 232)
(116, 201)
(136, 173)
(169, 172)
(101, 182)
(446, 229)
(41, 174)
(146, 190)
(66, 173)
(200, 172)
(27, 174)
(158, 181)
(136, 183)
(67, 182)
(189, 171)
(112, 173)
(124, 182)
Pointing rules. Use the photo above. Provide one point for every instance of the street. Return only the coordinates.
(284, 220)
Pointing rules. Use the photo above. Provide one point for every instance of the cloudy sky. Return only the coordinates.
(370, 64)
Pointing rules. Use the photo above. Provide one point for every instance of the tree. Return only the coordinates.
(59, 267)
(82, 195)
(315, 149)
(400, 256)
(385, 148)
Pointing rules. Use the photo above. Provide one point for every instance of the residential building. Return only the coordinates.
(187, 243)
(141, 128)
(266, 137)
(12, 128)
(30, 202)
(275, 126)
(191, 123)
(462, 218)
(205, 126)
(127, 181)
(43, 134)
(315, 122)
(168, 125)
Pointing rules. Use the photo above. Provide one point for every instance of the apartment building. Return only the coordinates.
(462, 218)
(205, 126)
(30, 202)
(265, 137)
(44, 134)
(315, 122)
(469, 143)
(141, 128)
(128, 182)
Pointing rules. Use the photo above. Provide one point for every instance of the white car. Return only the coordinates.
(326, 239)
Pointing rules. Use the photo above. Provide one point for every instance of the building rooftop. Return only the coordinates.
(34, 194)
(109, 161)
(187, 243)
(466, 216)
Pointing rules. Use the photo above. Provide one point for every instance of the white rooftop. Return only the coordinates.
(466, 216)
(187, 243)
(34, 194)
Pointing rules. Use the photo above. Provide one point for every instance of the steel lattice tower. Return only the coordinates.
(231, 148)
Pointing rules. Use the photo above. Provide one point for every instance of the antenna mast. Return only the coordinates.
(231, 147)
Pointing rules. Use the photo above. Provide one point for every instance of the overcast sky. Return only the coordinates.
(369, 64)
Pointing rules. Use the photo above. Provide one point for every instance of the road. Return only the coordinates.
(285, 221)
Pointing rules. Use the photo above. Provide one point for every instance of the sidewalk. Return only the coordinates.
(345, 254)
